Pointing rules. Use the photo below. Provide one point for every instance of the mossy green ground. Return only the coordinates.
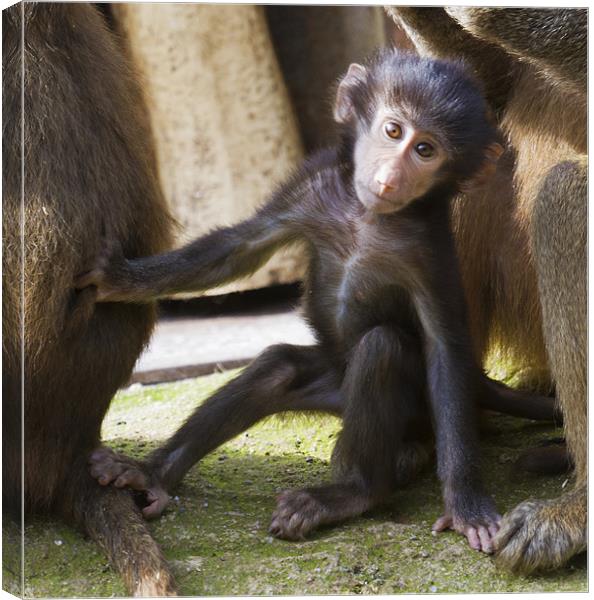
(215, 531)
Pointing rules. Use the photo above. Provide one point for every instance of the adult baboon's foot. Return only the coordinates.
(544, 534)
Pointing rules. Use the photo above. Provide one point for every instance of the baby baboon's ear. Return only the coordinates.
(343, 106)
(487, 169)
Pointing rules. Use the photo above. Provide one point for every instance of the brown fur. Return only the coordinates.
(89, 168)
(523, 246)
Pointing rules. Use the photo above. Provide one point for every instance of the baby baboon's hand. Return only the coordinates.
(478, 521)
(108, 274)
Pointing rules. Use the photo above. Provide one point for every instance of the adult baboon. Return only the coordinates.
(88, 167)
(523, 248)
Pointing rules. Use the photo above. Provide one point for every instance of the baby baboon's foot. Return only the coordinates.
(477, 520)
(538, 535)
(550, 457)
(298, 512)
(108, 467)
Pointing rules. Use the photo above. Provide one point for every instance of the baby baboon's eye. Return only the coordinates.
(393, 130)
(425, 150)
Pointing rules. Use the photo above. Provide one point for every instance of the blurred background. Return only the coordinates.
(237, 96)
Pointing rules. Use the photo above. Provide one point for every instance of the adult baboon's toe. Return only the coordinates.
(539, 535)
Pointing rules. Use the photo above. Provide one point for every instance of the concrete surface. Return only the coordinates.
(188, 346)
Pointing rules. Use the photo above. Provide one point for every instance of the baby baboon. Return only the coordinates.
(383, 296)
